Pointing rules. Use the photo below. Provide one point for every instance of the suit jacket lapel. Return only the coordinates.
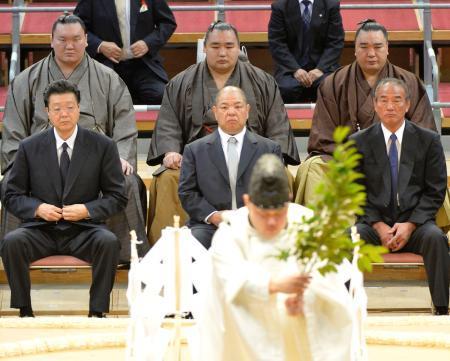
(134, 12)
(50, 161)
(409, 148)
(295, 19)
(247, 152)
(317, 12)
(78, 159)
(378, 147)
(110, 7)
(217, 156)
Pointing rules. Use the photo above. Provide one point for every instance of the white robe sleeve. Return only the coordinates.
(238, 276)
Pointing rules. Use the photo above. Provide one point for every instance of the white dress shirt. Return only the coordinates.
(224, 141)
(70, 142)
(399, 133)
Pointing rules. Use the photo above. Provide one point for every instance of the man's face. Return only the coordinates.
(267, 222)
(222, 51)
(231, 111)
(371, 51)
(69, 43)
(63, 111)
(391, 105)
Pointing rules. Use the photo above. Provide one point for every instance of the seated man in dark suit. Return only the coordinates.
(405, 180)
(216, 168)
(64, 183)
(306, 39)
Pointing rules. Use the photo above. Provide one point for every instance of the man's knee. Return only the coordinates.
(367, 233)
(291, 94)
(13, 242)
(434, 238)
(106, 239)
(204, 234)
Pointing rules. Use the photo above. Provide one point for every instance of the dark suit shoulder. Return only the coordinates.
(37, 138)
(361, 134)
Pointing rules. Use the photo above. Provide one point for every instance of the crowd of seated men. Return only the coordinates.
(222, 109)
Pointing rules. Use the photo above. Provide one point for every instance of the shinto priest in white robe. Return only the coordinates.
(241, 321)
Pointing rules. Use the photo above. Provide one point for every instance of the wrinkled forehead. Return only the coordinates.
(390, 90)
(230, 97)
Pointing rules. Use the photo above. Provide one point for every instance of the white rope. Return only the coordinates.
(63, 322)
(63, 343)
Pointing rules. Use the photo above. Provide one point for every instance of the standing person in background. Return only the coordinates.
(126, 35)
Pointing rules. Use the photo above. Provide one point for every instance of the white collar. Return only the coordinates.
(224, 136)
(399, 133)
(70, 141)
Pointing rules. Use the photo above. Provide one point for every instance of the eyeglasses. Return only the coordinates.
(69, 109)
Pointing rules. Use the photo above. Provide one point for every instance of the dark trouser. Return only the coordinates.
(203, 233)
(133, 217)
(144, 85)
(98, 246)
(293, 92)
(431, 243)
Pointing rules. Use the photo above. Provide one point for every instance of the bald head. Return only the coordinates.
(231, 109)
(230, 89)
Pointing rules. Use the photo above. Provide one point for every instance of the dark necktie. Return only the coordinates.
(306, 16)
(393, 160)
(64, 163)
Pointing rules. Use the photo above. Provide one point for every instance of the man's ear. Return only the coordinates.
(246, 199)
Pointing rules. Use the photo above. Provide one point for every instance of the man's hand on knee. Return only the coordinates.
(384, 232)
(75, 212)
(401, 233)
(315, 74)
(303, 78)
(49, 212)
(172, 160)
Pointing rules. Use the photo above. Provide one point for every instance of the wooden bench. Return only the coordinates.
(54, 269)
(398, 267)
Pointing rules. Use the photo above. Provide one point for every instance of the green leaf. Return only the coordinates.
(338, 198)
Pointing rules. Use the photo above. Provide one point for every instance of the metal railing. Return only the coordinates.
(431, 71)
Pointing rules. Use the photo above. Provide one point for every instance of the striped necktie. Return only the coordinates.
(306, 16)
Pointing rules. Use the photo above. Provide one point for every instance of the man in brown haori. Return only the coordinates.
(345, 99)
(186, 115)
(106, 108)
